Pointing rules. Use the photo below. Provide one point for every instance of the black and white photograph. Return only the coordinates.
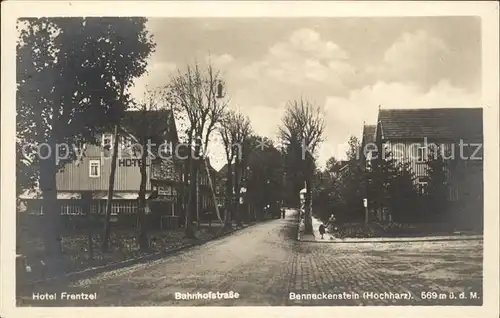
(250, 157)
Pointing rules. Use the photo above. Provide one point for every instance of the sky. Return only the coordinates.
(346, 66)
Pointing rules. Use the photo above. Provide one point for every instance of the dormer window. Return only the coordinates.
(165, 150)
(107, 141)
(126, 142)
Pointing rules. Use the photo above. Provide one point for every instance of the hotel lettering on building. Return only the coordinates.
(86, 181)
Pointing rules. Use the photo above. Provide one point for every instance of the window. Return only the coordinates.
(421, 154)
(63, 151)
(115, 209)
(124, 207)
(35, 209)
(422, 183)
(71, 209)
(94, 168)
(125, 142)
(107, 141)
(165, 150)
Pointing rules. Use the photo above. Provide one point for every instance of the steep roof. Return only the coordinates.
(368, 134)
(433, 123)
(158, 120)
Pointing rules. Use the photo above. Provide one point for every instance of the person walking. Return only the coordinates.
(331, 222)
(322, 230)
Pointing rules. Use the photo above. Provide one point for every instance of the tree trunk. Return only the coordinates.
(229, 196)
(51, 208)
(142, 237)
(185, 190)
(191, 206)
(111, 187)
(198, 199)
(188, 230)
(237, 186)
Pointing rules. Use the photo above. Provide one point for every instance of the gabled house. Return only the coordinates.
(412, 135)
(89, 176)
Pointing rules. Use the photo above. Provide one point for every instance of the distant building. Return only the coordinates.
(368, 147)
(221, 188)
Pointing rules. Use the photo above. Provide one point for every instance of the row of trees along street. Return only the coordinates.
(73, 82)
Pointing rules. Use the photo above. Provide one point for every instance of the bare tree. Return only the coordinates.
(302, 131)
(147, 125)
(226, 140)
(240, 134)
(197, 94)
(234, 130)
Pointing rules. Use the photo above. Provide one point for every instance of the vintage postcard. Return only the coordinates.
(294, 159)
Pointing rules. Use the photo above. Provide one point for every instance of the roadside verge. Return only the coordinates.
(315, 237)
(83, 274)
(311, 238)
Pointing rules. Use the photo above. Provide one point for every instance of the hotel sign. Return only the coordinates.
(165, 190)
(130, 162)
(166, 193)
